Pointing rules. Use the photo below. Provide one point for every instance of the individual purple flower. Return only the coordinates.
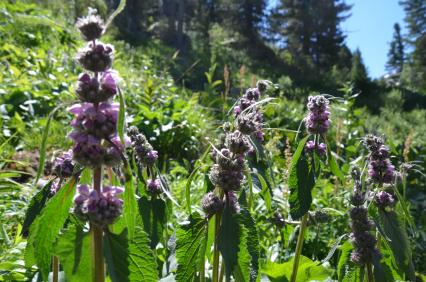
(322, 149)
(96, 58)
(100, 121)
(99, 208)
(310, 146)
(317, 121)
(154, 186)
(63, 165)
(54, 187)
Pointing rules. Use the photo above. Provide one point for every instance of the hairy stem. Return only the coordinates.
(98, 269)
(299, 246)
(216, 253)
(55, 277)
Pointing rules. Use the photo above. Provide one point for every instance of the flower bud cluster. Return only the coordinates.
(211, 204)
(249, 118)
(95, 139)
(317, 121)
(363, 241)
(384, 200)
(380, 168)
(99, 208)
(145, 153)
(63, 165)
(310, 147)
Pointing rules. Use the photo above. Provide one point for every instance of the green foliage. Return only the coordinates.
(46, 227)
(308, 270)
(73, 250)
(154, 218)
(191, 248)
(229, 240)
(129, 259)
(301, 182)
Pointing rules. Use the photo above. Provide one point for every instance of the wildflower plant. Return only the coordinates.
(105, 225)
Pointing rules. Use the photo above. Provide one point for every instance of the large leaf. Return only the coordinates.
(301, 182)
(229, 239)
(250, 244)
(308, 270)
(73, 251)
(347, 270)
(334, 167)
(35, 207)
(191, 247)
(45, 228)
(394, 229)
(153, 214)
(382, 269)
(129, 259)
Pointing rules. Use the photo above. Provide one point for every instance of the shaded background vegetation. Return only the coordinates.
(183, 65)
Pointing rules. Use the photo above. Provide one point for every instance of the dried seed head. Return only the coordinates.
(91, 27)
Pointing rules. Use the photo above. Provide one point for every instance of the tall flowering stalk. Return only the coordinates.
(317, 123)
(363, 241)
(96, 143)
(227, 172)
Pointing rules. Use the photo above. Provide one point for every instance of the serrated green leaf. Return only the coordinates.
(129, 259)
(46, 227)
(301, 182)
(153, 214)
(381, 271)
(229, 240)
(345, 265)
(265, 192)
(36, 205)
(395, 231)
(188, 188)
(191, 247)
(73, 251)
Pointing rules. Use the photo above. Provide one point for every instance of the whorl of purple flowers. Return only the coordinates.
(384, 200)
(211, 204)
(317, 121)
(145, 153)
(227, 172)
(99, 208)
(310, 147)
(363, 241)
(380, 168)
(63, 165)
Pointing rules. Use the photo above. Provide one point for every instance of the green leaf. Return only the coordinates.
(248, 256)
(308, 270)
(229, 239)
(45, 228)
(36, 205)
(265, 192)
(345, 265)
(188, 188)
(129, 259)
(397, 239)
(191, 247)
(334, 167)
(154, 218)
(121, 114)
(381, 270)
(73, 251)
(333, 248)
(130, 205)
(301, 182)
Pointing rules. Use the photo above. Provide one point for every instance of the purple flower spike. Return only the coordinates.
(380, 168)
(317, 121)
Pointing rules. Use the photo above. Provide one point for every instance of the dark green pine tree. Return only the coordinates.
(396, 57)
(416, 22)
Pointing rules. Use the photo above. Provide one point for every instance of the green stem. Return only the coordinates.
(299, 246)
(55, 277)
(370, 277)
(98, 268)
(216, 253)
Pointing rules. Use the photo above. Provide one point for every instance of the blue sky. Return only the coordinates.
(370, 29)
